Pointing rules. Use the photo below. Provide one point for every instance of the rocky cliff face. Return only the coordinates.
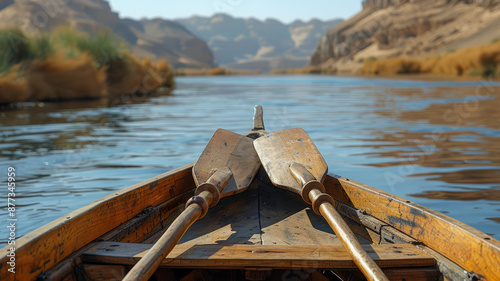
(254, 44)
(153, 38)
(381, 4)
(386, 28)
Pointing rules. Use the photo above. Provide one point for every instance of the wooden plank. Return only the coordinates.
(475, 251)
(235, 220)
(259, 256)
(99, 272)
(41, 249)
(151, 220)
(291, 221)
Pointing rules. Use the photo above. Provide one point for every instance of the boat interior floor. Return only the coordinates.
(263, 233)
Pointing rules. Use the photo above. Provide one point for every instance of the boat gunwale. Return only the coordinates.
(479, 253)
(374, 202)
(41, 249)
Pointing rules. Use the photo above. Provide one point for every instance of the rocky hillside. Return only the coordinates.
(253, 44)
(389, 28)
(153, 38)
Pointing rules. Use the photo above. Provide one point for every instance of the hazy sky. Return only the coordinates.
(284, 10)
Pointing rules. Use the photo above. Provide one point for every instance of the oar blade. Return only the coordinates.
(232, 150)
(279, 150)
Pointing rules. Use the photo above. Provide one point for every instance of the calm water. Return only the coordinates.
(437, 144)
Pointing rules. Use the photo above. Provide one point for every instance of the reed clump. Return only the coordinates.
(214, 71)
(218, 71)
(477, 61)
(72, 65)
(305, 70)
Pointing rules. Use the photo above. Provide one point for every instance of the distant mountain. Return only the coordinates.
(253, 44)
(154, 38)
(390, 28)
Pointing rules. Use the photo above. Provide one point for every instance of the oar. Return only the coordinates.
(293, 162)
(227, 166)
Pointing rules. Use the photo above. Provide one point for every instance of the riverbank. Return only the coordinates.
(481, 61)
(69, 65)
(214, 71)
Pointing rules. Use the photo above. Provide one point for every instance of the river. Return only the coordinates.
(435, 143)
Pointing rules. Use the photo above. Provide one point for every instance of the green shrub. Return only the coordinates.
(99, 46)
(14, 48)
(41, 47)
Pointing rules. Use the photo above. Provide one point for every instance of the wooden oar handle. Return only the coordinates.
(313, 192)
(148, 264)
(308, 183)
(208, 194)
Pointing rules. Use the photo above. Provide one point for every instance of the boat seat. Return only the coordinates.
(259, 256)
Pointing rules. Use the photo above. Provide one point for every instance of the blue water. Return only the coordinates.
(395, 135)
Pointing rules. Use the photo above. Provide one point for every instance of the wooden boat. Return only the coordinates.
(264, 233)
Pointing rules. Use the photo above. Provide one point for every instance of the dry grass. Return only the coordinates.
(478, 61)
(57, 78)
(304, 70)
(13, 89)
(75, 66)
(214, 71)
(217, 71)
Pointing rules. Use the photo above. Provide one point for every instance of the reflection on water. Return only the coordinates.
(435, 142)
(451, 129)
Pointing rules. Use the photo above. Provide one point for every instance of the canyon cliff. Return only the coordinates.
(389, 28)
(240, 43)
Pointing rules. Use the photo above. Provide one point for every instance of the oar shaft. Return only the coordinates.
(146, 267)
(313, 192)
(206, 195)
(360, 257)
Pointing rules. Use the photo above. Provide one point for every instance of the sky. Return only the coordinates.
(283, 10)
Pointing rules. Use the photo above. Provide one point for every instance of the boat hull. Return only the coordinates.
(260, 230)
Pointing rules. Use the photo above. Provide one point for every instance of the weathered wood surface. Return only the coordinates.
(149, 221)
(286, 219)
(40, 250)
(227, 166)
(261, 215)
(146, 267)
(259, 256)
(235, 220)
(293, 162)
(231, 150)
(475, 251)
(279, 150)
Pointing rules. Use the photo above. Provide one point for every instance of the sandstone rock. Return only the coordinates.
(408, 27)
